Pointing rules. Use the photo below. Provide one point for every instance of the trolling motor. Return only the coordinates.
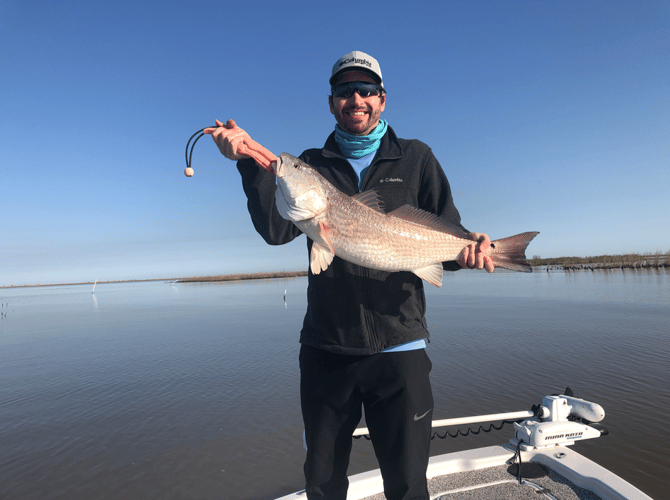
(560, 421)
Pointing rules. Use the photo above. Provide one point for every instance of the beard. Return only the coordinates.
(356, 126)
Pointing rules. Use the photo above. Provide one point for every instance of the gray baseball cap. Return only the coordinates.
(359, 61)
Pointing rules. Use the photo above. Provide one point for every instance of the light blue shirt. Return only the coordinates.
(361, 166)
(409, 346)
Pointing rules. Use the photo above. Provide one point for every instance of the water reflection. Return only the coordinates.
(177, 390)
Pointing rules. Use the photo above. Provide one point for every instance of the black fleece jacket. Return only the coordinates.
(353, 309)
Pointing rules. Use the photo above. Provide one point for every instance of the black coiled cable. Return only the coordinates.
(189, 154)
(458, 432)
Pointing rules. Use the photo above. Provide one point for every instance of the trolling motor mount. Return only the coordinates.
(553, 427)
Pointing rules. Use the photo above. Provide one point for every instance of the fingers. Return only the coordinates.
(230, 124)
(467, 257)
(479, 259)
(483, 244)
(482, 239)
(475, 255)
(463, 258)
(484, 261)
(229, 138)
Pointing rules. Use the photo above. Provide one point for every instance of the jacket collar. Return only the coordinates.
(389, 149)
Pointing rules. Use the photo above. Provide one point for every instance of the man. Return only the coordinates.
(364, 334)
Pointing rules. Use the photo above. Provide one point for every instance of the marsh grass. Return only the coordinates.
(247, 276)
(649, 260)
(194, 279)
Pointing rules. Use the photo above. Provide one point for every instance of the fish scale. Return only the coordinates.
(380, 241)
(355, 228)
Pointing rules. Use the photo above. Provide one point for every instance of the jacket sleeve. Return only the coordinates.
(259, 186)
(435, 196)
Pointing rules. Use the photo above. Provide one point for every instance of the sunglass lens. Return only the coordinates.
(345, 91)
(348, 89)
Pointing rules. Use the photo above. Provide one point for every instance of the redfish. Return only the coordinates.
(356, 229)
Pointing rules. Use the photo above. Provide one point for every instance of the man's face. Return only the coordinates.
(357, 115)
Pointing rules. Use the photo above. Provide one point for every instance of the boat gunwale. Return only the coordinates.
(564, 461)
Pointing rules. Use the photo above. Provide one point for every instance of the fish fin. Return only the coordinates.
(322, 250)
(320, 258)
(418, 216)
(370, 199)
(432, 274)
(323, 239)
(510, 252)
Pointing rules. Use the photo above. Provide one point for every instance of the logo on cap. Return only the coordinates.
(357, 59)
(353, 60)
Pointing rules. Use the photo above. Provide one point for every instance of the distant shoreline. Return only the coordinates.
(624, 261)
(657, 260)
(193, 279)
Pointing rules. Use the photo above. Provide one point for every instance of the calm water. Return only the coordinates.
(153, 390)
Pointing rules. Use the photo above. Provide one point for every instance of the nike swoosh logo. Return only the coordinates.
(417, 418)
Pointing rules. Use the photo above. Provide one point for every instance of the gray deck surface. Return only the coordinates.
(553, 483)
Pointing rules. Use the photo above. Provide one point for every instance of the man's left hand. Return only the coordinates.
(475, 255)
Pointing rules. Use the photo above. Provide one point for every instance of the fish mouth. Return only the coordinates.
(278, 167)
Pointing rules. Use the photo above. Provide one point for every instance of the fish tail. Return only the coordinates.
(510, 252)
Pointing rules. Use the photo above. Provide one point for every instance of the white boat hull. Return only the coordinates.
(545, 437)
(445, 474)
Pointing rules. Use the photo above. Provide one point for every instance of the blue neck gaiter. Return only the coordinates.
(357, 146)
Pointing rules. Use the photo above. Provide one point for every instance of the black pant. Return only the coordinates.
(394, 388)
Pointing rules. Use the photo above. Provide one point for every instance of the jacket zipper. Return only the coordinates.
(364, 278)
(369, 326)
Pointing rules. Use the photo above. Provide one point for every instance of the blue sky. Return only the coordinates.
(547, 116)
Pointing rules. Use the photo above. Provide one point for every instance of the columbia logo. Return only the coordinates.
(356, 61)
(391, 179)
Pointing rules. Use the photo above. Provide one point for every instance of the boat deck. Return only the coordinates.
(482, 474)
(496, 483)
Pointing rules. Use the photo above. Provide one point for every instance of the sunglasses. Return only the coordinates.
(364, 89)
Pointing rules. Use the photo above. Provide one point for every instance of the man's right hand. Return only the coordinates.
(477, 254)
(229, 138)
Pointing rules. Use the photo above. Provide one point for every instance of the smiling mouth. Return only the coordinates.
(356, 112)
